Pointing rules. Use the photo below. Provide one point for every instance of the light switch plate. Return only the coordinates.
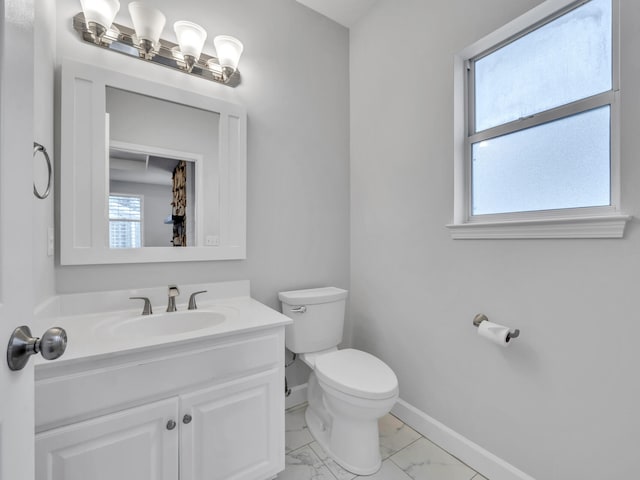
(50, 241)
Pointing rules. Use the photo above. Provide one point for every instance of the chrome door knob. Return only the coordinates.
(53, 343)
(22, 345)
(187, 419)
(171, 424)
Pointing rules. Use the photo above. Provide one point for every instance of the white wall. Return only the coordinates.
(295, 87)
(44, 68)
(561, 403)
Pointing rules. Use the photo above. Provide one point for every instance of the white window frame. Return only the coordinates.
(590, 222)
(141, 221)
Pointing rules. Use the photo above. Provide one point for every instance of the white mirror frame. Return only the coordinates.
(84, 170)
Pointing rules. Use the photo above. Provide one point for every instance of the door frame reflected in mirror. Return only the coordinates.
(197, 201)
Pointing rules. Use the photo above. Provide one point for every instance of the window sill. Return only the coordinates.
(602, 226)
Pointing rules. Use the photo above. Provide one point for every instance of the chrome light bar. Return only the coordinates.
(122, 39)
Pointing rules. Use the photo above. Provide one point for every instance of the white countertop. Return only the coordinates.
(89, 337)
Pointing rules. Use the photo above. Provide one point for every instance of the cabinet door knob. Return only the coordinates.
(187, 418)
(171, 424)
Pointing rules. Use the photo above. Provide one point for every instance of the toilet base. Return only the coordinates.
(347, 432)
(322, 434)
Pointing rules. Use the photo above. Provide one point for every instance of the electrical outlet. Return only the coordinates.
(212, 241)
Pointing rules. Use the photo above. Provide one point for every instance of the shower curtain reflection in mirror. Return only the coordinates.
(179, 205)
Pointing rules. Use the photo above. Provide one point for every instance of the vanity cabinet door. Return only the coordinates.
(234, 431)
(133, 444)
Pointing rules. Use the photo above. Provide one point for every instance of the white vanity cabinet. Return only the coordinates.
(229, 434)
(133, 443)
(207, 409)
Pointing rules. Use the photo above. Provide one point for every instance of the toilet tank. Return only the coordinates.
(318, 318)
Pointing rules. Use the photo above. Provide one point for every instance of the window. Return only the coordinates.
(125, 221)
(536, 134)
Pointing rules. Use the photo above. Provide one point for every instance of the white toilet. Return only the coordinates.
(348, 390)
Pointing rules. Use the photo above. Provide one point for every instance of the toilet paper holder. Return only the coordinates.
(481, 317)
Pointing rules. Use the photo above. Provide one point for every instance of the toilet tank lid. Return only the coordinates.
(313, 296)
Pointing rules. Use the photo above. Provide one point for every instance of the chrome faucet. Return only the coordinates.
(192, 300)
(147, 305)
(173, 293)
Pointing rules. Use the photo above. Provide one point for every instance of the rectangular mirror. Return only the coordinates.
(149, 172)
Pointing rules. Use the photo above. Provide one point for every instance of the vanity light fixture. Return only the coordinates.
(94, 24)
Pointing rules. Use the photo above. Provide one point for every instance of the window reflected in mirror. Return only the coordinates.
(125, 220)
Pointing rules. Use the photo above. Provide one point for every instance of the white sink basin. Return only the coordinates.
(171, 323)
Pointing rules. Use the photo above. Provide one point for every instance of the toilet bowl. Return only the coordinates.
(352, 390)
(348, 389)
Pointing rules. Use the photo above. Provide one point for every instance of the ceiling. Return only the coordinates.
(345, 12)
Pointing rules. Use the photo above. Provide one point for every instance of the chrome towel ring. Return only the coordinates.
(40, 148)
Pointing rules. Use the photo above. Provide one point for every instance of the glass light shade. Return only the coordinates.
(191, 38)
(101, 12)
(228, 51)
(148, 22)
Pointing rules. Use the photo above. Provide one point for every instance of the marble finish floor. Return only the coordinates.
(406, 455)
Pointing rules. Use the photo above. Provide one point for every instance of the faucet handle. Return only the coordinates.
(192, 300)
(146, 310)
(173, 291)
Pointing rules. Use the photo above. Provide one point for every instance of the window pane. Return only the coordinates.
(561, 164)
(565, 60)
(124, 234)
(124, 208)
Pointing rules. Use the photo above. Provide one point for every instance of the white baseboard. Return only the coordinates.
(482, 461)
(297, 397)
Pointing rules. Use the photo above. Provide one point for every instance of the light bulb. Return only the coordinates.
(228, 51)
(191, 38)
(148, 23)
(99, 15)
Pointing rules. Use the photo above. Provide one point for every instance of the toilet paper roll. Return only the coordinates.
(494, 332)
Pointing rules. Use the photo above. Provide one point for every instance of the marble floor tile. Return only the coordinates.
(296, 432)
(339, 472)
(304, 464)
(394, 435)
(406, 455)
(388, 471)
(423, 460)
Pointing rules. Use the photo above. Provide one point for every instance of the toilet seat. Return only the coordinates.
(357, 373)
